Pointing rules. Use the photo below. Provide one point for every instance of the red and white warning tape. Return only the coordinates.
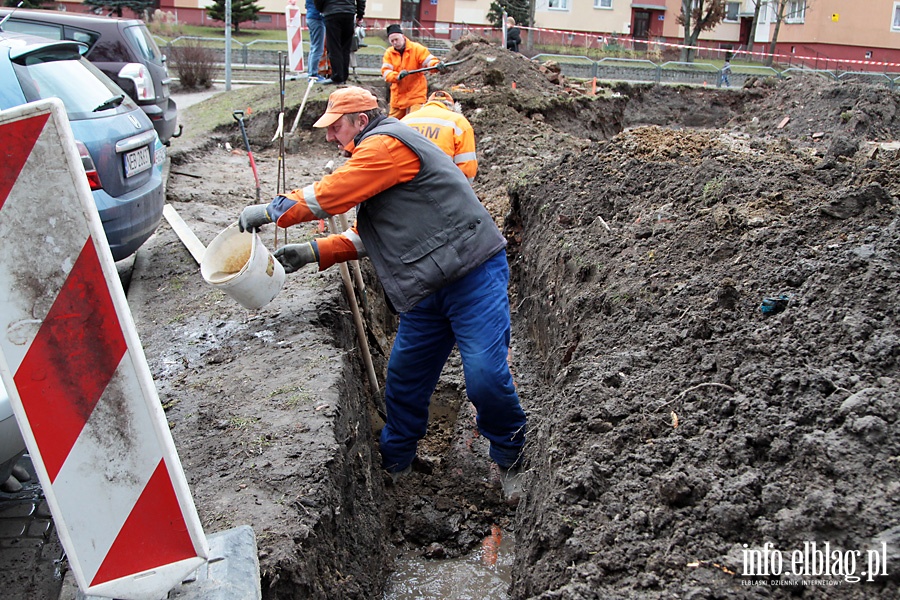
(786, 57)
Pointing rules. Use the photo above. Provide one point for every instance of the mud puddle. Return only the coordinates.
(451, 529)
(484, 573)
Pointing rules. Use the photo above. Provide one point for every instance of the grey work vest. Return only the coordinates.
(428, 232)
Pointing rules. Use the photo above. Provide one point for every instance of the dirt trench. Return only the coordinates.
(674, 426)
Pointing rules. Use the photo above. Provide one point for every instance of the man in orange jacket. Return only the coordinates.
(408, 90)
(441, 261)
(441, 122)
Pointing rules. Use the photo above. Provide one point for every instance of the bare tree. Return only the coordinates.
(698, 16)
(784, 9)
(757, 4)
(779, 6)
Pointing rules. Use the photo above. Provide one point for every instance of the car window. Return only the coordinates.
(52, 32)
(79, 84)
(79, 35)
(108, 49)
(144, 43)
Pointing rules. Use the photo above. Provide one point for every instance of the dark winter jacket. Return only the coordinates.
(513, 39)
(336, 7)
(451, 234)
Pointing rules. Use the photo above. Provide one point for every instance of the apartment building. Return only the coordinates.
(835, 30)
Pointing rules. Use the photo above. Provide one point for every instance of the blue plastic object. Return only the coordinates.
(775, 304)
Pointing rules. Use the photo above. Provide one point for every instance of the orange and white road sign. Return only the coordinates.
(294, 37)
(77, 376)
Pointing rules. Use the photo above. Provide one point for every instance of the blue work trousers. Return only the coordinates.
(472, 313)
(316, 44)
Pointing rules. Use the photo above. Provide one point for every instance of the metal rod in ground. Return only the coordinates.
(302, 104)
(357, 320)
(282, 176)
(239, 117)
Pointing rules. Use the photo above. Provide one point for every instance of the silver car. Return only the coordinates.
(117, 142)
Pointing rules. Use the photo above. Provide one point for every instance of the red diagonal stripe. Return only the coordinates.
(154, 534)
(16, 141)
(71, 360)
(297, 39)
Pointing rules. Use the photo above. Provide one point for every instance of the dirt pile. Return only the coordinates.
(679, 426)
(674, 425)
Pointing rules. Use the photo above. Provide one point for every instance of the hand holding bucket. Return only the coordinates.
(241, 266)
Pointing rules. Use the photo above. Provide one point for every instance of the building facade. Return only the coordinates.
(865, 31)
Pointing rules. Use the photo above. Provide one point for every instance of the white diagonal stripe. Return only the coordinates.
(107, 469)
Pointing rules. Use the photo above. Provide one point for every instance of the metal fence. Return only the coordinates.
(702, 73)
(264, 53)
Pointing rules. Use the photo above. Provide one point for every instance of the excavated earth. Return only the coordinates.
(676, 429)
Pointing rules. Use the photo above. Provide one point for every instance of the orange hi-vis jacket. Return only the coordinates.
(392, 169)
(450, 130)
(412, 89)
(377, 164)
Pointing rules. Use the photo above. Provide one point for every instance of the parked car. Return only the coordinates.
(121, 48)
(12, 446)
(116, 140)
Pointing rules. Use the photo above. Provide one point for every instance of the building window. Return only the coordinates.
(731, 11)
(558, 4)
(895, 24)
(602, 3)
(795, 11)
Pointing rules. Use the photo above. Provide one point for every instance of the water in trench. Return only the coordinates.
(455, 508)
(468, 577)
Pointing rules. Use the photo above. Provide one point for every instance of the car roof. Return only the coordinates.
(67, 18)
(21, 44)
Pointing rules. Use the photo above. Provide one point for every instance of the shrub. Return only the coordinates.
(195, 63)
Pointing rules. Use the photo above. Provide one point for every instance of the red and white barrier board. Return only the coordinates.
(294, 37)
(77, 376)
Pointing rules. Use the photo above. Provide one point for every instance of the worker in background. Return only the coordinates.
(341, 18)
(408, 90)
(441, 121)
(513, 35)
(441, 261)
(316, 25)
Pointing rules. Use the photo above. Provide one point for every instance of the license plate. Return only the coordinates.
(137, 161)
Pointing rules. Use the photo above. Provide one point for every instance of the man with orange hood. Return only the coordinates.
(442, 122)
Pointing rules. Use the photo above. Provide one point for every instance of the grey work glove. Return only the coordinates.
(441, 67)
(294, 256)
(253, 217)
(402, 74)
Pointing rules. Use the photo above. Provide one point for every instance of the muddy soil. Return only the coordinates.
(675, 428)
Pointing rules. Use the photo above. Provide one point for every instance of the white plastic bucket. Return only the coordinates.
(240, 265)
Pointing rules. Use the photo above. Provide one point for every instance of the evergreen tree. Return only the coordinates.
(139, 7)
(520, 10)
(25, 3)
(241, 11)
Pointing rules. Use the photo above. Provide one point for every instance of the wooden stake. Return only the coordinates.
(357, 319)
